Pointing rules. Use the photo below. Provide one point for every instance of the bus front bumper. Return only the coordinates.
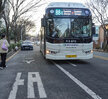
(68, 57)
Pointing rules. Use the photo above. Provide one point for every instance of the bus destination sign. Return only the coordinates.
(70, 12)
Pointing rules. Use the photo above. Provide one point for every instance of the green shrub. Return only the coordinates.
(18, 44)
(12, 46)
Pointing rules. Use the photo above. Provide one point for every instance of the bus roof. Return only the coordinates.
(65, 5)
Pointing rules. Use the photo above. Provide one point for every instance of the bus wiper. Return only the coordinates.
(54, 34)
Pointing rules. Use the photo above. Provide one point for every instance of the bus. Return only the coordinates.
(66, 32)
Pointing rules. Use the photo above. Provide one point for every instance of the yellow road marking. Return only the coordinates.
(11, 56)
(100, 57)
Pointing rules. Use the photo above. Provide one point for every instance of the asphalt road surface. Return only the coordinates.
(30, 76)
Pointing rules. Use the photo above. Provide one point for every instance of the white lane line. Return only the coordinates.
(84, 87)
(15, 86)
(72, 64)
(34, 77)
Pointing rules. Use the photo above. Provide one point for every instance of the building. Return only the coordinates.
(99, 36)
(102, 35)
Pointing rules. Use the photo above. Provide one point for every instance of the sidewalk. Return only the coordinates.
(102, 54)
(99, 50)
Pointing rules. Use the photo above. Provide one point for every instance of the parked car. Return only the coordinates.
(27, 45)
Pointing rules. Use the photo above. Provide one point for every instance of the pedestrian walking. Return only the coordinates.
(3, 50)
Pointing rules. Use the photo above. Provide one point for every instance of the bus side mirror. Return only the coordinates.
(93, 32)
(43, 22)
(93, 29)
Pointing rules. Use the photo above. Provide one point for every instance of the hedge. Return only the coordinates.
(12, 46)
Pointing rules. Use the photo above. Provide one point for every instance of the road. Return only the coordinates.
(30, 76)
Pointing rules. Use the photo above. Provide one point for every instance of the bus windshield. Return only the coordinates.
(69, 27)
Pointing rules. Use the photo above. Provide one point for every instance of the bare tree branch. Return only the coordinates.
(19, 8)
(100, 10)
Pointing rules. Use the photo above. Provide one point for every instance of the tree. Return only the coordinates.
(99, 9)
(2, 5)
(5, 16)
(16, 10)
(23, 26)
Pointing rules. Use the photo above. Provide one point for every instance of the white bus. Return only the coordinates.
(66, 32)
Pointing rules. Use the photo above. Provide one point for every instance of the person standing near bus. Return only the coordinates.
(3, 50)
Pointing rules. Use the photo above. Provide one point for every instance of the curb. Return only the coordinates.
(100, 57)
(11, 56)
(100, 50)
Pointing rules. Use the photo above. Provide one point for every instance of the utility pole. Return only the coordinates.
(21, 34)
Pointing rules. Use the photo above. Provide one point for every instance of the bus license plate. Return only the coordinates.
(71, 56)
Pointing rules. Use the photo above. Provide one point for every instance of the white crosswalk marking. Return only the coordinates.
(34, 77)
(18, 82)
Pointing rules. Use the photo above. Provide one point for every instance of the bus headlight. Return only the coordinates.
(51, 52)
(91, 51)
(88, 52)
(48, 52)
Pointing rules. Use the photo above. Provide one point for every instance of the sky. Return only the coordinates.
(36, 16)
